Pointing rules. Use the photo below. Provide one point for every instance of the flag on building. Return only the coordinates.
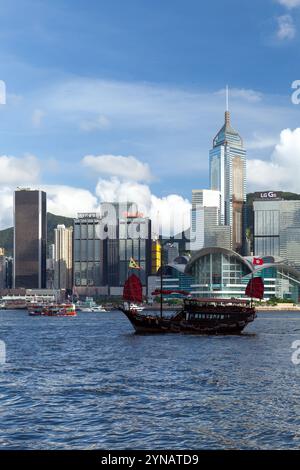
(133, 264)
(258, 262)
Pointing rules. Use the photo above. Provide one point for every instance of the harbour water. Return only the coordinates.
(90, 383)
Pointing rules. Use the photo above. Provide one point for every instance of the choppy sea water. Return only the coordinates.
(90, 383)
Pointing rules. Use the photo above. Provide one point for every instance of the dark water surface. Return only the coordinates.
(89, 382)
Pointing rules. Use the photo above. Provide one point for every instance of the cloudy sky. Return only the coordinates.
(114, 99)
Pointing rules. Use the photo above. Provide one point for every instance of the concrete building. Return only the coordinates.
(63, 257)
(228, 176)
(30, 239)
(277, 227)
(206, 227)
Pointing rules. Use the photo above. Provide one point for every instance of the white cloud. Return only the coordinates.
(286, 27)
(261, 142)
(124, 167)
(6, 207)
(289, 3)
(170, 214)
(98, 123)
(282, 171)
(16, 171)
(68, 201)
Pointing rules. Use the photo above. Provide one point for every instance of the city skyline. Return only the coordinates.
(64, 125)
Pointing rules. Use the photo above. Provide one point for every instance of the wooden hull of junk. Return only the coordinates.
(205, 319)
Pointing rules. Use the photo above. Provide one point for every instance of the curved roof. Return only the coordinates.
(285, 268)
(288, 270)
(215, 250)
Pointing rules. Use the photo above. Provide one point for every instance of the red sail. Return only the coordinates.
(133, 290)
(255, 288)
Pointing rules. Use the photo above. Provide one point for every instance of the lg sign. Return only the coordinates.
(269, 195)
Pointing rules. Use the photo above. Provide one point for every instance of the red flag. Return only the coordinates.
(258, 261)
(255, 288)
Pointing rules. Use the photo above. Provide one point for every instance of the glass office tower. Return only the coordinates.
(228, 175)
(277, 230)
(30, 239)
(88, 250)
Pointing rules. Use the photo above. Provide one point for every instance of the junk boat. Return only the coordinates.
(197, 316)
(62, 310)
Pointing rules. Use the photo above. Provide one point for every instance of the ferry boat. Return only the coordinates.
(61, 310)
(14, 302)
(197, 316)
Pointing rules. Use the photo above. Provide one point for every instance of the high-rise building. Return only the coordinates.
(88, 251)
(277, 228)
(206, 227)
(204, 198)
(63, 257)
(103, 247)
(135, 242)
(30, 239)
(50, 267)
(228, 175)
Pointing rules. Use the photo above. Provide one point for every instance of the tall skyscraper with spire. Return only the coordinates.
(228, 175)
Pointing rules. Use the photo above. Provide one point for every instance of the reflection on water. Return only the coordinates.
(89, 382)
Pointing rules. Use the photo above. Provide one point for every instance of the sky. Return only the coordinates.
(114, 99)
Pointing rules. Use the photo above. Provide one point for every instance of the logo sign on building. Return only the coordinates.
(268, 196)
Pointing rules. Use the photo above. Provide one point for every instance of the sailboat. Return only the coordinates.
(197, 316)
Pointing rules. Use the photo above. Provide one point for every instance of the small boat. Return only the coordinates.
(89, 306)
(35, 310)
(197, 316)
(136, 308)
(60, 310)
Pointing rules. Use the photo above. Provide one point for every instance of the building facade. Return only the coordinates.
(30, 239)
(206, 227)
(224, 273)
(89, 256)
(63, 257)
(228, 176)
(277, 229)
(103, 248)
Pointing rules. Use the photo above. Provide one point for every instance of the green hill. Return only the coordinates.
(6, 235)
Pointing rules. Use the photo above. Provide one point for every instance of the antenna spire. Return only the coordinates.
(227, 98)
(227, 114)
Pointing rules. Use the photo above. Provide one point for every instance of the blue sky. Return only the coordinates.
(144, 78)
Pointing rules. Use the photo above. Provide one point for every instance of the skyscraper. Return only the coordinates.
(30, 239)
(228, 175)
(88, 252)
(63, 257)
